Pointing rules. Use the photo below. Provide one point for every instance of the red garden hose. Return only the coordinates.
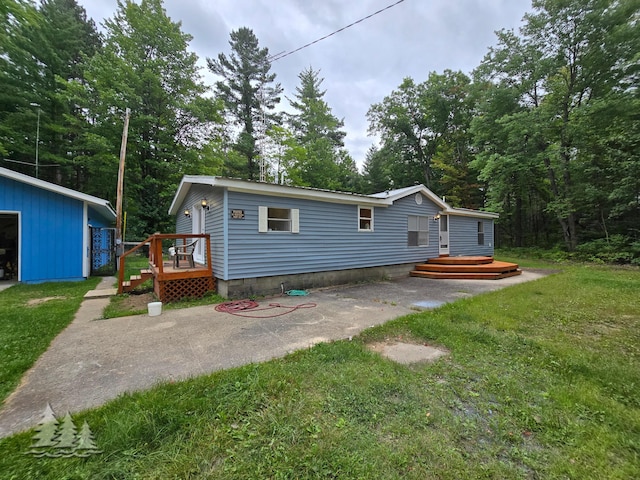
(235, 307)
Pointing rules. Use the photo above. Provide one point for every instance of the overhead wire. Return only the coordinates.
(281, 55)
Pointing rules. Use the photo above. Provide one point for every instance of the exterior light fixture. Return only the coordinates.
(204, 204)
(187, 213)
(436, 217)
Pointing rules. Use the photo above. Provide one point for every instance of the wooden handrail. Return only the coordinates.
(155, 251)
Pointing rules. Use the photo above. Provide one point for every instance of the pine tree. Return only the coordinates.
(326, 164)
(67, 439)
(248, 92)
(47, 433)
(86, 443)
(314, 119)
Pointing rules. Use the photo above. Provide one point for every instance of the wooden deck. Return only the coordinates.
(466, 268)
(171, 282)
(169, 269)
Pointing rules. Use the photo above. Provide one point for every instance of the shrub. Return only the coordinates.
(618, 249)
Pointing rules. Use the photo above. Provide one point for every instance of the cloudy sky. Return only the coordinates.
(360, 65)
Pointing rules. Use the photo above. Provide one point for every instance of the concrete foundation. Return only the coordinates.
(268, 286)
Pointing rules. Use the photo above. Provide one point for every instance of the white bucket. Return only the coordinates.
(155, 308)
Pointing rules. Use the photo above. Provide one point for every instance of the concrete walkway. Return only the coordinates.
(4, 284)
(94, 360)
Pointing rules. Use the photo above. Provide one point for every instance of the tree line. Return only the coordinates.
(545, 131)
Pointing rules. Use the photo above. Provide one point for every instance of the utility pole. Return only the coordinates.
(37, 136)
(120, 188)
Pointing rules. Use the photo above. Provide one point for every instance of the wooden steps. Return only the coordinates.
(135, 280)
(466, 268)
(446, 260)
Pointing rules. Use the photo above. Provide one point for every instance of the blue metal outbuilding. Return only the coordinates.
(46, 229)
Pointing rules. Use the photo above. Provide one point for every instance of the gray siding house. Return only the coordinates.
(265, 237)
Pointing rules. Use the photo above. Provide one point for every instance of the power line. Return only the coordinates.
(281, 55)
(31, 164)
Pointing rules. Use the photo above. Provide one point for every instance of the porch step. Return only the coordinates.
(468, 260)
(465, 276)
(490, 267)
(135, 280)
(479, 268)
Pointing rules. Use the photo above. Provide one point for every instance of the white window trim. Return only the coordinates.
(263, 220)
(360, 218)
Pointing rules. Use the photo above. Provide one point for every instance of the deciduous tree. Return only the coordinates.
(147, 66)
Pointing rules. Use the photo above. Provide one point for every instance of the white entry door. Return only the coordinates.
(444, 235)
(198, 225)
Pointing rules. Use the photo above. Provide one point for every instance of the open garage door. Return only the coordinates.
(9, 246)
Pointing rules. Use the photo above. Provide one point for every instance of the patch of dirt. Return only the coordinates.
(137, 301)
(39, 301)
(407, 353)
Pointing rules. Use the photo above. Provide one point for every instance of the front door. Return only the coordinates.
(444, 235)
(198, 225)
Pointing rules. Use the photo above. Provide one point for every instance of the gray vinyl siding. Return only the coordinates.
(328, 240)
(214, 223)
(463, 236)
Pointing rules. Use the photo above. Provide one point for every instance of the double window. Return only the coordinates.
(272, 219)
(417, 231)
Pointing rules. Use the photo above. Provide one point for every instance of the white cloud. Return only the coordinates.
(361, 64)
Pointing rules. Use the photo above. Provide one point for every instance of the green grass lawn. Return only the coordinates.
(542, 381)
(26, 330)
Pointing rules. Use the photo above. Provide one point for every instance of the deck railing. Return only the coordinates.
(156, 255)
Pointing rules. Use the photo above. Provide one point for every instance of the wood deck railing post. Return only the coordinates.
(158, 254)
(208, 256)
(120, 273)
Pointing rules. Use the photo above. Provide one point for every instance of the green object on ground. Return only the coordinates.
(297, 293)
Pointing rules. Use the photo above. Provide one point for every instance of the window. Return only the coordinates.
(271, 219)
(365, 219)
(417, 231)
(480, 233)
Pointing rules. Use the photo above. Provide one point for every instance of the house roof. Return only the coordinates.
(271, 189)
(446, 209)
(382, 199)
(103, 207)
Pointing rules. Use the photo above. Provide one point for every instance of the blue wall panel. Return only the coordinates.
(51, 231)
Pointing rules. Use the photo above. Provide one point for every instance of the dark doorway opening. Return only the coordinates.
(9, 246)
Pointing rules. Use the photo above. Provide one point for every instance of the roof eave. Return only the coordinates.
(461, 212)
(52, 187)
(271, 189)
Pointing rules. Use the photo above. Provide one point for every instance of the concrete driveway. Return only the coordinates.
(93, 360)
